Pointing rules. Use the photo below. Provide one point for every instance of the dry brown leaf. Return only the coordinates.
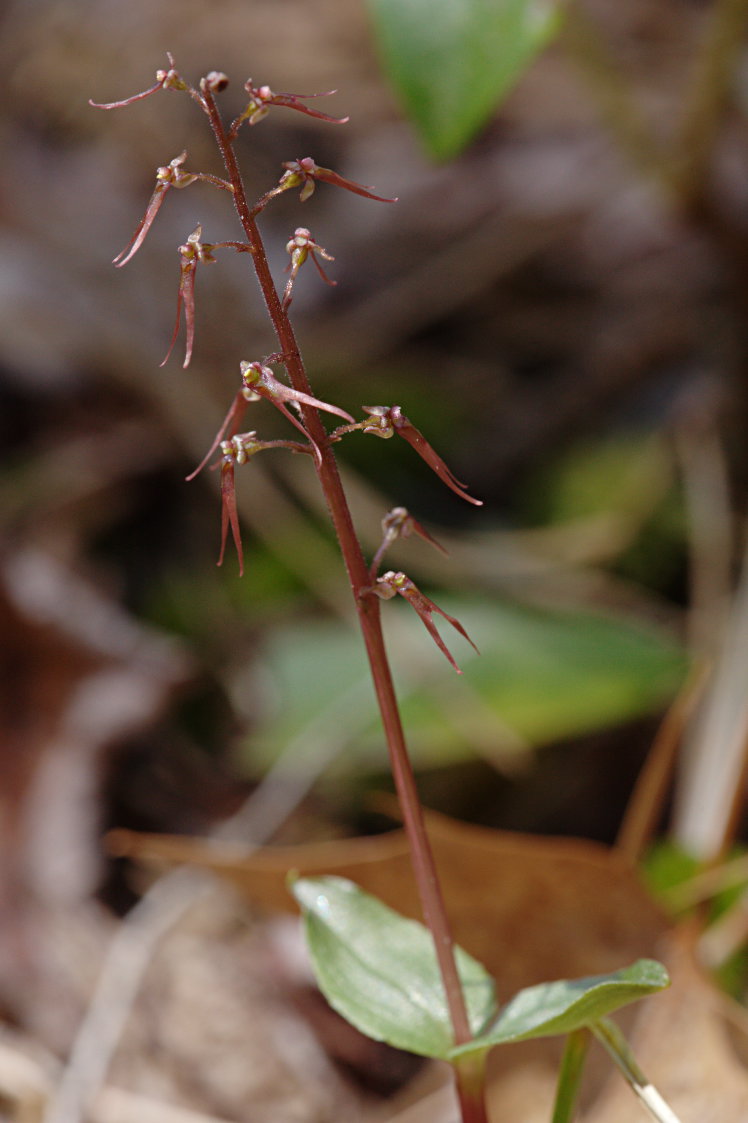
(530, 908)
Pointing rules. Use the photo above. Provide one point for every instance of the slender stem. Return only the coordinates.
(651, 788)
(367, 606)
(613, 1041)
(470, 1075)
(570, 1075)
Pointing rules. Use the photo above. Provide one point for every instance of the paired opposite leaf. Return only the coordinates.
(551, 1009)
(452, 61)
(379, 971)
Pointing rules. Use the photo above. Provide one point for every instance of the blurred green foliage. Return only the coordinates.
(452, 61)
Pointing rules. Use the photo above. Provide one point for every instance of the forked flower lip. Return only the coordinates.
(393, 582)
(300, 247)
(238, 449)
(262, 97)
(306, 172)
(388, 420)
(165, 80)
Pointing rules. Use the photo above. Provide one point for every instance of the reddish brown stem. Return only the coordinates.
(470, 1074)
(367, 606)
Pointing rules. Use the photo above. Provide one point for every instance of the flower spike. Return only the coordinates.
(192, 252)
(300, 247)
(387, 420)
(305, 172)
(391, 583)
(165, 80)
(262, 97)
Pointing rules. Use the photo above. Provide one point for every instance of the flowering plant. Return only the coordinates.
(432, 984)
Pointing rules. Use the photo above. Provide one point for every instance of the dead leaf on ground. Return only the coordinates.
(530, 908)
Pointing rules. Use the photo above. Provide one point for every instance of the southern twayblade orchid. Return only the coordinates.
(258, 381)
(262, 97)
(170, 175)
(190, 254)
(391, 583)
(238, 450)
(306, 172)
(300, 247)
(165, 80)
(399, 523)
(385, 421)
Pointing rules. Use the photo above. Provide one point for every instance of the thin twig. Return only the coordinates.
(711, 528)
(650, 791)
(615, 1044)
(716, 746)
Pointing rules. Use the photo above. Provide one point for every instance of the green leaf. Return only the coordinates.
(561, 1007)
(452, 61)
(544, 675)
(379, 970)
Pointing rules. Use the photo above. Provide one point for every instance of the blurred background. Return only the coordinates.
(560, 309)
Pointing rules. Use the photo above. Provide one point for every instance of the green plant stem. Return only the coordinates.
(470, 1075)
(570, 1075)
(613, 1041)
(367, 606)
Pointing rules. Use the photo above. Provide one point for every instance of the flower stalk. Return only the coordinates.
(258, 380)
(368, 607)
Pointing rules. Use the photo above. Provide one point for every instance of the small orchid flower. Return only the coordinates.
(165, 80)
(262, 97)
(260, 382)
(306, 172)
(399, 523)
(238, 450)
(300, 247)
(387, 420)
(192, 252)
(391, 583)
(170, 175)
